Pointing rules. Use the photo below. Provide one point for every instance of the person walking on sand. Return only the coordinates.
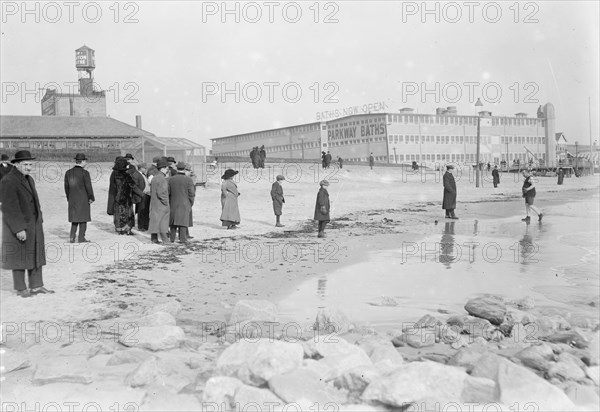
(181, 200)
(496, 177)
(528, 190)
(23, 247)
(80, 195)
(159, 203)
(449, 201)
(230, 212)
(371, 161)
(278, 199)
(561, 175)
(322, 207)
(341, 162)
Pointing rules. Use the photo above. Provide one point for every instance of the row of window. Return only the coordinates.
(357, 122)
(462, 120)
(264, 135)
(456, 157)
(465, 139)
(66, 144)
(357, 141)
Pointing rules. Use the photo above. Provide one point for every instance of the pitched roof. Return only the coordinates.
(558, 135)
(66, 126)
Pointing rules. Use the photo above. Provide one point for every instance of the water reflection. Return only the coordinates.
(447, 256)
(321, 286)
(475, 228)
(527, 251)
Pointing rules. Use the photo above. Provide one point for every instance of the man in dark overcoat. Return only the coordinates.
(322, 207)
(262, 156)
(181, 199)
(5, 166)
(277, 198)
(371, 161)
(449, 202)
(22, 231)
(561, 176)
(159, 203)
(80, 195)
(496, 176)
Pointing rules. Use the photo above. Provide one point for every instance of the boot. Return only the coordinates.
(526, 219)
(321, 234)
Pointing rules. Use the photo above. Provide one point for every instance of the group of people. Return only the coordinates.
(258, 156)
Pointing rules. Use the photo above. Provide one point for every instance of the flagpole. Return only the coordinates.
(590, 118)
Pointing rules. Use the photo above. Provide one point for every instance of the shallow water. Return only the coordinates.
(555, 261)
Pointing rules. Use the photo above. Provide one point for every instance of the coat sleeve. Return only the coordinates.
(67, 184)
(87, 181)
(11, 206)
(112, 191)
(162, 192)
(191, 191)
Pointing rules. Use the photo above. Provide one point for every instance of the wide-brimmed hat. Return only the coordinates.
(120, 164)
(4, 157)
(155, 159)
(129, 156)
(280, 177)
(80, 156)
(324, 183)
(449, 167)
(181, 166)
(229, 173)
(162, 163)
(22, 155)
(171, 159)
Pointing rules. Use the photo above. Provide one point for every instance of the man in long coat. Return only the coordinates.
(371, 161)
(449, 202)
(22, 230)
(262, 155)
(159, 203)
(277, 198)
(322, 207)
(4, 166)
(561, 176)
(80, 195)
(181, 199)
(496, 176)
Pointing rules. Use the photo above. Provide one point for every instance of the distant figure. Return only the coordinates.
(328, 160)
(340, 162)
(561, 175)
(262, 156)
(159, 203)
(489, 166)
(415, 166)
(254, 157)
(449, 201)
(528, 190)
(496, 176)
(5, 167)
(371, 161)
(80, 195)
(322, 207)
(230, 214)
(181, 199)
(278, 199)
(324, 159)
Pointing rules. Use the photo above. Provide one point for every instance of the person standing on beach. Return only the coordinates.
(159, 203)
(529, 193)
(322, 207)
(341, 162)
(120, 198)
(262, 156)
(328, 159)
(449, 201)
(143, 211)
(5, 167)
(80, 195)
(561, 175)
(278, 199)
(23, 247)
(496, 176)
(181, 200)
(230, 212)
(371, 161)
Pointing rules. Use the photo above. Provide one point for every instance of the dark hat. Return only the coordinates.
(162, 163)
(324, 183)
(120, 164)
(155, 159)
(129, 156)
(22, 155)
(80, 156)
(181, 166)
(142, 165)
(280, 177)
(4, 157)
(448, 167)
(229, 173)
(171, 159)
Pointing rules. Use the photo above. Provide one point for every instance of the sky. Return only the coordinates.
(202, 70)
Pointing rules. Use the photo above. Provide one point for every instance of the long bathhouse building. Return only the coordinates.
(404, 137)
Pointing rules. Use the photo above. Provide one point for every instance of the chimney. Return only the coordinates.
(138, 121)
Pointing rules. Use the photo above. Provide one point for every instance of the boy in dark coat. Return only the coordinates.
(23, 247)
(80, 195)
(322, 207)
(278, 200)
(449, 202)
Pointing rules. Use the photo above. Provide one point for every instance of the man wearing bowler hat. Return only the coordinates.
(5, 166)
(449, 201)
(278, 199)
(80, 195)
(22, 231)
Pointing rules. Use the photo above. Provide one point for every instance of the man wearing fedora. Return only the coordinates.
(449, 201)
(159, 203)
(80, 195)
(277, 198)
(322, 207)
(5, 166)
(22, 231)
(181, 199)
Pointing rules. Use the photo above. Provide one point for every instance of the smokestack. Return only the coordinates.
(138, 121)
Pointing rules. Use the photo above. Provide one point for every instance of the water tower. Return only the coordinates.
(85, 62)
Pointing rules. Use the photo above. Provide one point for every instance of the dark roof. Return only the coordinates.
(558, 135)
(66, 126)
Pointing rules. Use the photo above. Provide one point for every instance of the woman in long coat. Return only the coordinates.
(449, 202)
(120, 198)
(159, 203)
(230, 214)
(322, 207)
(496, 176)
(561, 176)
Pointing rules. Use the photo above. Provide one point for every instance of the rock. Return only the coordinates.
(436, 357)
(585, 397)
(428, 321)
(572, 337)
(548, 325)
(380, 349)
(419, 338)
(322, 370)
(356, 408)
(340, 355)
(515, 383)
(417, 382)
(257, 362)
(593, 372)
(133, 355)
(479, 390)
(594, 350)
(173, 308)
(514, 316)
(467, 357)
(477, 327)
(357, 379)
(155, 338)
(332, 321)
(536, 357)
(521, 333)
(254, 310)
(449, 333)
(158, 319)
(489, 307)
(160, 400)
(145, 374)
(461, 342)
(567, 367)
(304, 384)
(67, 369)
(527, 303)
(86, 349)
(219, 391)
(251, 398)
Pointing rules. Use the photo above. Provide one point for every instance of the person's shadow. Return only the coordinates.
(447, 256)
